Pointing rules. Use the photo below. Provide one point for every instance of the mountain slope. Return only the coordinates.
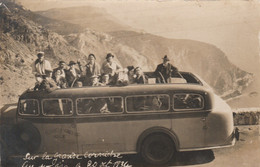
(20, 40)
(21, 37)
(85, 16)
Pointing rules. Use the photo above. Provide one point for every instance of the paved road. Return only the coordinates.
(246, 153)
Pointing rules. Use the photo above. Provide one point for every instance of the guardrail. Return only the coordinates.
(246, 116)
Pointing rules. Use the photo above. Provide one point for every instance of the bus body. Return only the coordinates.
(127, 119)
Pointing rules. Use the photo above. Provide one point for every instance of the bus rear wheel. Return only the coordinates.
(157, 149)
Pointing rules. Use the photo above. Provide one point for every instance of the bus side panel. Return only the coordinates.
(117, 136)
(190, 131)
(220, 124)
(57, 137)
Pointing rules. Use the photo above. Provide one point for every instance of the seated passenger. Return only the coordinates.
(59, 79)
(110, 70)
(72, 74)
(47, 83)
(92, 69)
(94, 81)
(140, 77)
(131, 73)
(164, 71)
(122, 79)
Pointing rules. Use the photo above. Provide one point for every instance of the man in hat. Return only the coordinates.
(109, 69)
(72, 74)
(92, 69)
(40, 66)
(165, 70)
(61, 68)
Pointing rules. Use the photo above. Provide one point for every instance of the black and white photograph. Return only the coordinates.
(129, 83)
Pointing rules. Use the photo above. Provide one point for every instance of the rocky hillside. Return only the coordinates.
(20, 39)
(22, 35)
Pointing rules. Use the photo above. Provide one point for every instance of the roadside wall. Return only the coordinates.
(246, 116)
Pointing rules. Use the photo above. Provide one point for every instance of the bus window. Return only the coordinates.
(188, 101)
(53, 107)
(148, 103)
(99, 105)
(28, 107)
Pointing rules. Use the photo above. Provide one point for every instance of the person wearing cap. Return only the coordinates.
(164, 71)
(140, 78)
(72, 74)
(92, 69)
(39, 67)
(109, 69)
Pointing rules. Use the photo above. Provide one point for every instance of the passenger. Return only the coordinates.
(140, 77)
(60, 79)
(40, 66)
(47, 84)
(110, 69)
(72, 75)
(122, 79)
(164, 71)
(94, 81)
(131, 73)
(61, 68)
(92, 69)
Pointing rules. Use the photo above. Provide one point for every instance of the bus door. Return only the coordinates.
(189, 122)
(98, 130)
(57, 127)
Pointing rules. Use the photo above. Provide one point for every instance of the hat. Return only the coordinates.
(91, 55)
(62, 62)
(40, 54)
(72, 63)
(137, 69)
(109, 55)
(166, 58)
(130, 68)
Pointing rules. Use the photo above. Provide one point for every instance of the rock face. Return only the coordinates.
(20, 39)
(23, 33)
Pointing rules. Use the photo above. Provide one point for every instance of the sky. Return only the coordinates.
(233, 26)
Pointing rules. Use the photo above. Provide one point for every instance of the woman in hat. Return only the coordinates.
(109, 69)
(165, 70)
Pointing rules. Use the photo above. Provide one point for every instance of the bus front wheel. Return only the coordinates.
(157, 149)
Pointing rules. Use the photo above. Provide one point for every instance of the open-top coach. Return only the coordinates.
(153, 120)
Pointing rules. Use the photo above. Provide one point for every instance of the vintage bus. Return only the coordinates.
(153, 120)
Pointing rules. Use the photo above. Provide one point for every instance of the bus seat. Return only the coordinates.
(178, 80)
(151, 80)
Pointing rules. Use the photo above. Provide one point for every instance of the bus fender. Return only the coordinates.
(156, 130)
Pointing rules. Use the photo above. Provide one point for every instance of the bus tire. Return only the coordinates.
(27, 138)
(157, 149)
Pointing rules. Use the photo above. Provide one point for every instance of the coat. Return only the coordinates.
(72, 77)
(91, 70)
(165, 71)
(39, 68)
